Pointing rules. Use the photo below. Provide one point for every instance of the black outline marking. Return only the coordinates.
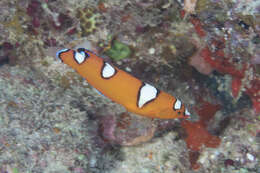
(102, 69)
(175, 103)
(60, 52)
(81, 49)
(138, 95)
(86, 50)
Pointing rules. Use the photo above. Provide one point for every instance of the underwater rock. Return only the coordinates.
(126, 130)
(198, 62)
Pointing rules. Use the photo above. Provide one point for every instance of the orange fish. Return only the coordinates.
(121, 87)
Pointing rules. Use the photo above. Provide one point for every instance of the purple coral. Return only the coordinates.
(107, 128)
(33, 8)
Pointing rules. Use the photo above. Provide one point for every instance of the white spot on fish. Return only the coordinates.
(177, 104)
(147, 93)
(80, 57)
(108, 71)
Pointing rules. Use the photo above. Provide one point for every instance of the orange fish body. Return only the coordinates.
(121, 87)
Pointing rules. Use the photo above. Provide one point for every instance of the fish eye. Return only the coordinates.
(83, 52)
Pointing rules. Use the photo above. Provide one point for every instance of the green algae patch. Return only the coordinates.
(118, 51)
(15, 170)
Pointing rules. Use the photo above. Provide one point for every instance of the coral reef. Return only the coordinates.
(88, 18)
(204, 52)
(198, 134)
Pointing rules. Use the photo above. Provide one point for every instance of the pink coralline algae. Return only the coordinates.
(242, 79)
(228, 162)
(200, 64)
(34, 11)
(42, 15)
(254, 93)
(50, 42)
(36, 22)
(197, 133)
(125, 130)
(7, 55)
(33, 8)
(212, 57)
(107, 128)
(63, 21)
(256, 59)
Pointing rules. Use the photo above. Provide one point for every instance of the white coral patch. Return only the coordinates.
(108, 71)
(177, 104)
(146, 94)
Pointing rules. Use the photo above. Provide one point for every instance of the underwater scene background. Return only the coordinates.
(204, 52)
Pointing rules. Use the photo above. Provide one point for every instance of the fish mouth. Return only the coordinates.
(58, 54)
